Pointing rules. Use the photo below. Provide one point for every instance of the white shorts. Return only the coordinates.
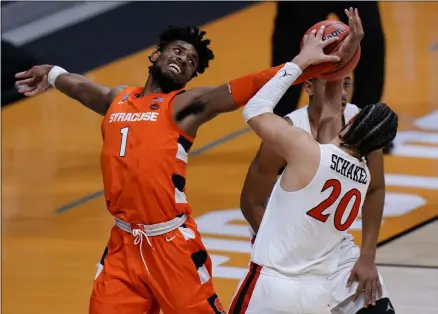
(341, 296)
(264, 291)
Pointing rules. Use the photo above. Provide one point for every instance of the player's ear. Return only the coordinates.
(308, 88)
(154, 56)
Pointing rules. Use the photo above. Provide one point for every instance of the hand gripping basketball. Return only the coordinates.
(351, 44)
(312, 51)
(347, 48)
(314, 46)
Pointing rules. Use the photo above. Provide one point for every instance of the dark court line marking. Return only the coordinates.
(407, 266)
(408, 231)
(79, 202)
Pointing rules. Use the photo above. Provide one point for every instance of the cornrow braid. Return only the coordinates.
(373, 128)
(193, 36)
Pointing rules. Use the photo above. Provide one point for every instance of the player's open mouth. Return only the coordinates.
(176, 68)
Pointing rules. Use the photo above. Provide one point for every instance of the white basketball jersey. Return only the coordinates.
(300, 117)
(301, 231)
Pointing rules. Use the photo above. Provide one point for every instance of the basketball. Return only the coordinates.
(334, 71)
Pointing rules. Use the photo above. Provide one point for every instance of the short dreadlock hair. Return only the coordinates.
(371, 129)
(193, 36)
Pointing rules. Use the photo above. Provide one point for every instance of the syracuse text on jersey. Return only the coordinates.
(133, 117)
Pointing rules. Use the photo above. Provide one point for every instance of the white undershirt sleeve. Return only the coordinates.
(270, 94)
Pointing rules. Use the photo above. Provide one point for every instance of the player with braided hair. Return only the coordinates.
(372, 126)
(313, 203)
(155, 257)
(356, 266)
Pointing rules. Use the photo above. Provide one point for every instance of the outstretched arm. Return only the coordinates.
(92, 95)
(237, 92)
(273, 130)
(330, 121)
(234, 94)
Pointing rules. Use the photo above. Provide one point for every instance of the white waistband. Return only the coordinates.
(297, 277)
(155, 229)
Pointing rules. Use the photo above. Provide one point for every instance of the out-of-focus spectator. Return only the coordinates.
(295, 18)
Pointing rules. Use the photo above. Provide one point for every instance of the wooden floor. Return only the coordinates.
(54, 221)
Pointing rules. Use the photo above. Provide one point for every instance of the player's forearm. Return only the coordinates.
(328, 128)
(238, 92)
(372, 212)
(270, 94)
(92, 95)
(258, 113)
(330, 121)
(244, 88)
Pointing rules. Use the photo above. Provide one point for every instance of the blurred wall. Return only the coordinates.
(81, 36)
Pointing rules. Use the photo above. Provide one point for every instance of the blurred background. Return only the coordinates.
(54, 222)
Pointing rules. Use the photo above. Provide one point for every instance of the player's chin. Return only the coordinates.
(175, 77)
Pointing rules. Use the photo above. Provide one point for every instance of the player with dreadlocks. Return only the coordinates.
(155, 258)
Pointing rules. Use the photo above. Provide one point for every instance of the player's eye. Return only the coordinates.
(177, 50)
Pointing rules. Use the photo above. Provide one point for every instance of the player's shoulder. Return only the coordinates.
(351, 110)
(299, 118)
(297, 113)
(120, 93)
(351, 106)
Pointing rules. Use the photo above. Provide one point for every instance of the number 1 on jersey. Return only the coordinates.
(124, 140)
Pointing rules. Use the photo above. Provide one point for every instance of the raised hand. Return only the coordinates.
(352, 42)
(33, 81)
(312, 51)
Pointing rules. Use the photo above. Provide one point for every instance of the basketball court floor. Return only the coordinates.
(55, 225)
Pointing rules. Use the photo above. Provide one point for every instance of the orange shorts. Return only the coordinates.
(178, 280)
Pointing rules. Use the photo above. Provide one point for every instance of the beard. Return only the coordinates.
(166, 82)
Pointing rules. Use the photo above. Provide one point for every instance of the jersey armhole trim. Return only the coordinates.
(288, 120)
(283, 191)
(172, 122)
(119, 94)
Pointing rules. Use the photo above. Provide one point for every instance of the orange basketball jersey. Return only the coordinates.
(144, 158)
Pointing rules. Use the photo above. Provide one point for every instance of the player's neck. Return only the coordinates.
(337, 142)
(151, 87)
(314, 112)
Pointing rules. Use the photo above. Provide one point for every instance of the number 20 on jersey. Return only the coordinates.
(317, 212)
